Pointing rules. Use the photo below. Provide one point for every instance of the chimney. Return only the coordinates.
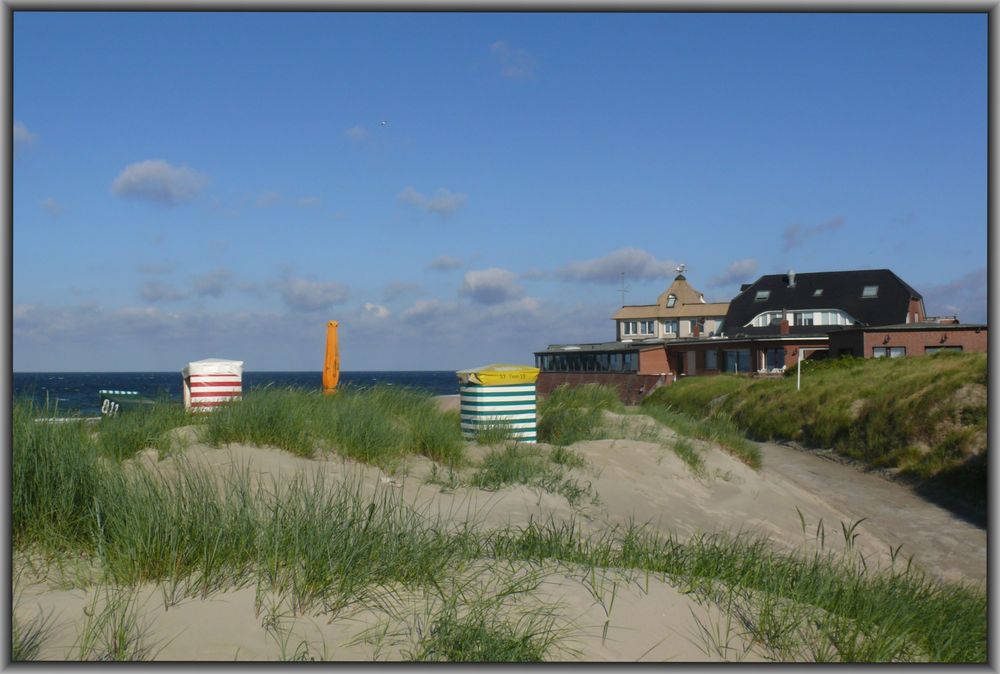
(695, 329)
(783, 326)
(791, 278)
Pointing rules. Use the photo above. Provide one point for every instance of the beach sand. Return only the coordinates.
(648, 619)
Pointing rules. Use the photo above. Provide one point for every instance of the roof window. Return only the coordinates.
(762, 295)
(671, 299)
(870, 291)
(817, 292)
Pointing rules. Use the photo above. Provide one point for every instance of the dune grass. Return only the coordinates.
(925, 416)
(147, 426)
(831, 606)
(571, 414)
(380, 425)
(328, 546)
(717, 429)
(519, 463)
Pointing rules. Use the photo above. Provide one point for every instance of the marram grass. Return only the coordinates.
(380, 425)
(923, 415)
(328, 546)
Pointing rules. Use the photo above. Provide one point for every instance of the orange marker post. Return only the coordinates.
(331, 366)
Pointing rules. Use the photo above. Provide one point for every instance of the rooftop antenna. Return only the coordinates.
(624, 288)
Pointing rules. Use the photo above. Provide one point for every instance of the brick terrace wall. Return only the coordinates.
(631, 387)
(654, 361)
(917, 340)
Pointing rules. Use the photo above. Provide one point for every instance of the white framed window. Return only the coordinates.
(762, 295)
(671, 300)
(869, 291)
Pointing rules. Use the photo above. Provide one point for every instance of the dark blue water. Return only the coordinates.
(76, 392)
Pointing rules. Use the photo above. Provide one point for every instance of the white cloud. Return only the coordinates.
(491, 286)
(514, 63)
(158, 181)
(445, 263)
(308, 202)
(444, 203)
(52, 206)
(306, 295)
(795, 234)
(23, 138)
(357, 133)
(637, 264)
(373, 312)
(738, 272)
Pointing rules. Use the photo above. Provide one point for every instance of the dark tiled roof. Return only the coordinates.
(841, 290)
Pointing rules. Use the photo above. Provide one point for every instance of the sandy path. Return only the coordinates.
(944, 544)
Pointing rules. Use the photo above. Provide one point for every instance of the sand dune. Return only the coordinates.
(635, 482)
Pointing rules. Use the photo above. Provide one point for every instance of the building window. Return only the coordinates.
(890, 351)
(870, 291)
(803, 318)
(647, 327)
(774, 359)
(737, 360)
(940, 349)
(818, 292)
(711, 359)
(670, 325)
(671, 299)
(762, 295)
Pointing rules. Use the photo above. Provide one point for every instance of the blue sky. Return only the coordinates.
(460, 189)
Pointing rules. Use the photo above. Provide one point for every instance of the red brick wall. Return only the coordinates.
(917, 340)
(653, 361)
(915, 308)
(631, 387)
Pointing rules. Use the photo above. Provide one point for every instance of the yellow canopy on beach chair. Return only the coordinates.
(499, 375)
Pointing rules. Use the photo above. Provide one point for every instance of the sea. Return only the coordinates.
(72, 393)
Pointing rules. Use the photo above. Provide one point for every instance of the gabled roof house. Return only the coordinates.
(767, 327)
(680, 311)
(818, 302)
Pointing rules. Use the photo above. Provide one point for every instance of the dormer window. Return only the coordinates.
(671, 299)
(762, 295)
(869, 291)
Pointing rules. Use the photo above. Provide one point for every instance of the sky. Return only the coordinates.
(458, 189)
